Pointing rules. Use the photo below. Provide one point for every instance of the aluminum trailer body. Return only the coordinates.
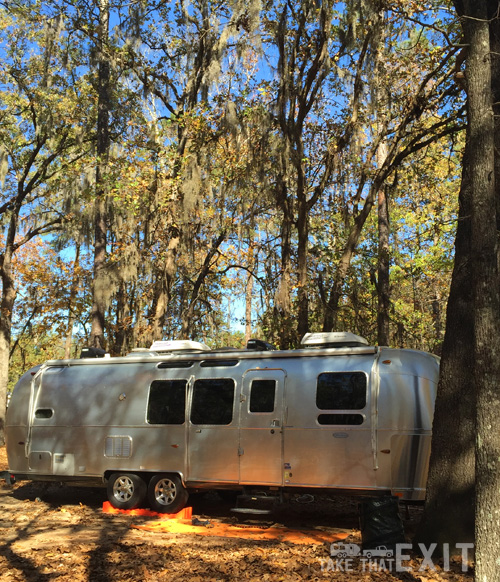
(350, 418)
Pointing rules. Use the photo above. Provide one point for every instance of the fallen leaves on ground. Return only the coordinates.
(52, 532)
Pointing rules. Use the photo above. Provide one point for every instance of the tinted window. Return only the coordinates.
(340, 419)
(167, 402)
(341, 391)
(262, 395)
(213, 401)
(171, 365)
(44, 413)
(218, 363)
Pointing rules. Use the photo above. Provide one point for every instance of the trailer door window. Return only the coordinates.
(213, 400)
(167, 402)
(341, 391)
(262, 395)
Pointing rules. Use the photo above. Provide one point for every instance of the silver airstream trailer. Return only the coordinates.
(336, 414)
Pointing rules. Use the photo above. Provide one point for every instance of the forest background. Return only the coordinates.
(217, 170)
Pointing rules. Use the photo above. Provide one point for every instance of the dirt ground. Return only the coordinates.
(56, 532)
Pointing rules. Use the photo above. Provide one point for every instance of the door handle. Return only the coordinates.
(275, 423)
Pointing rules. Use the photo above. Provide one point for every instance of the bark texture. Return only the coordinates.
(103, 142)
(449, 506)
(464, 473)
(486, 289)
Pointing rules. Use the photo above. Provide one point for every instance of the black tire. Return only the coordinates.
(166, 493)
(126, 490)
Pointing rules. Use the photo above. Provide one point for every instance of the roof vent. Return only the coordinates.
(178, 346)
(333, 339)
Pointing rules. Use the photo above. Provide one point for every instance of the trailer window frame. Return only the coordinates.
(351, 393)
(208, 410)
(266, 401)
(172, 409)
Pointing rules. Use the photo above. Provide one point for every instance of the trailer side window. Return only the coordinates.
(167, 402)
(175, 364)
(262, 395)
(341, 391)
(218, 363)
(340, 419)
(213, 400)
(44, 413)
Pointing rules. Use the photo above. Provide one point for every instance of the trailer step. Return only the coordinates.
(251, 510)
(258, 503)
(258, 497)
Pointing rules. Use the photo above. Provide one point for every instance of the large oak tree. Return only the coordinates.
(464, 474)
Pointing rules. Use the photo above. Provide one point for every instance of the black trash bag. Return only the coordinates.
(381, 524)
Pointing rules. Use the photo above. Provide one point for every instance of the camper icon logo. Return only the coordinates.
(344, 550)
(353, 550)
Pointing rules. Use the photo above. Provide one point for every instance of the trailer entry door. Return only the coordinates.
(213, 431)
(261, 427)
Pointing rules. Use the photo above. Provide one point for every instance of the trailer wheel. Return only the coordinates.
(166, 494)
(126, 490)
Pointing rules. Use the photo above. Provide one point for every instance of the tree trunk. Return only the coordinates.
(382, 101)
(188, 314)
(449, 506)
(466, 444)
(101, 283)
(7, 307)
(302, 251)
(120, 344)
(486, 296)
(283, 293)
(248, 297)
(333, 303)
(383, 282)
(8, 299)
(163, 287)
(72, 297)
(159, 306)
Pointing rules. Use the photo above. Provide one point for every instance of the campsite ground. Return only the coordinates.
(54, 532)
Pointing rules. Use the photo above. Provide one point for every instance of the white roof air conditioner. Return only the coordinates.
(178, 346)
